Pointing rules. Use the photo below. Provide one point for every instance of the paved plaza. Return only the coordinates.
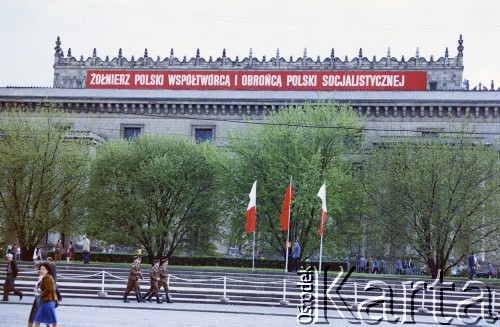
(110, 313)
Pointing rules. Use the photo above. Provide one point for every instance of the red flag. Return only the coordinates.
(322, 196)
(252, 210)
(285, 209)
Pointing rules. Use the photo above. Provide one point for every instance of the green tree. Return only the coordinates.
(310, 143)
(42, 173)
(154, 191)
(439, 195)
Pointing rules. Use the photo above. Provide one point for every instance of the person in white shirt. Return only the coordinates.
(86, 249)
(36, 302)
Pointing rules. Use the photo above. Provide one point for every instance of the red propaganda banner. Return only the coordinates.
(257, 80)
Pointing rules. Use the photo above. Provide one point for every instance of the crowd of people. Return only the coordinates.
(46, 290)
(158, 279)
(381, 266)
(15, 250)
(60, 252)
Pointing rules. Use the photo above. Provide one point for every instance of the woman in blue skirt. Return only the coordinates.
(47, 311)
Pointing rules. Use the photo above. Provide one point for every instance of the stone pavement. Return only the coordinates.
(105, 312)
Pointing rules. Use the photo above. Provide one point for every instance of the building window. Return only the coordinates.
(131, 132)
(433, 86)
(203, 134)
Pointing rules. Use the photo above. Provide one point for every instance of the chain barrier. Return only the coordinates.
(225, 289)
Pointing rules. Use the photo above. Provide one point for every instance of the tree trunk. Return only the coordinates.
(151, 255)
(63, 238)
(435, 267)
(27, 252)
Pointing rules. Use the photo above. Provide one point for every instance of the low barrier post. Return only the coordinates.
(494, 313)
(224, 299)
(355, 305)
(284, 301)
(422, 308)
(102, 293)
(356, 293)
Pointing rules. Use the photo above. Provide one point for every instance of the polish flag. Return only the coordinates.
(251, 210)
(285, 209)
(322, 196)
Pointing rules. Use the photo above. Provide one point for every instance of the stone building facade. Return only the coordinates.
(204, 113)
(114, 113)
(211, 114)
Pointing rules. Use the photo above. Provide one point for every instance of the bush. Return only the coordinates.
(200, 261)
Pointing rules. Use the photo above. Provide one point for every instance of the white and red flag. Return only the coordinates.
(252, 210)
(322, 196)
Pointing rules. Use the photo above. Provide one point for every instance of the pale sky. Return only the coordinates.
(28, 30)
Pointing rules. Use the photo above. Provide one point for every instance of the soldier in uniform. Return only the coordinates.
(133, 280)
(163, 279)
(154, 279)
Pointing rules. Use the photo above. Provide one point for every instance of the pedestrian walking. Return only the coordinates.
(54, 275)
(399, 267)
(70, 252)
(473, 265)
(36, 293)
(10, 278)
(382, 266)
(164, 280)
(17, 256)
(86, 249)
(369, 265)
(154, 280)
(46, 312)
(376, 267)
(39, 254)
(58, 250)
(409, 267)
(296, 255)
(133, 280)
(362, 264)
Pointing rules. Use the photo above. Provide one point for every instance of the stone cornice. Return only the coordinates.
(224, 96)
(168, 102)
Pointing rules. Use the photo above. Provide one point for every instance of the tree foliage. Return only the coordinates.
(310, 143)
(42, 174)
(154, 191)
(439, 195)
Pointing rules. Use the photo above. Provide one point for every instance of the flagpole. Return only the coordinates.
(320, 252)
(321, 241)
(253, 258)
(288, 229)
